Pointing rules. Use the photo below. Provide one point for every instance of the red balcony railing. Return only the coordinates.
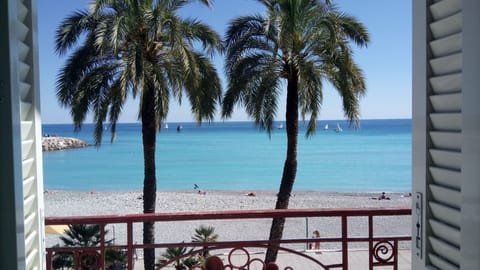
(382, 250)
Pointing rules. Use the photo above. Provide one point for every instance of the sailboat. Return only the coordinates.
(326, 127)
(166, 125)
(338, 129)
(280, 126)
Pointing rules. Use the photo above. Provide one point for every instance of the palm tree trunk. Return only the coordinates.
(289, 168)
(150, 183)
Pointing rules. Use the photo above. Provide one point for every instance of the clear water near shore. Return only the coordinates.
(237, 156)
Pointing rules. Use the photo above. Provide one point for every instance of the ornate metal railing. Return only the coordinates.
(382, 251)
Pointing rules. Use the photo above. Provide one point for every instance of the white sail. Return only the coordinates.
(338, 128)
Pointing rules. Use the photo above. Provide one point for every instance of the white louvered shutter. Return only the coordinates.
(32, 168)
(441, 151)
(445, 134)
(23, 130)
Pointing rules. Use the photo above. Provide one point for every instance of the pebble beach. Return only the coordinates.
(66, 203)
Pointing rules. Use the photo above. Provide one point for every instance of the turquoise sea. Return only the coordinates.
(237, 156)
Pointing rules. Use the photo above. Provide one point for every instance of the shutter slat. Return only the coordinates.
(25, 91)
(30, 221)
(446, 232)
(29, 202)
(446, 140)
(23, 50)
(27, 130)
(27, 149)
(445, 250)
(30, 239)
(27, 166)
(445, 8)
(447, 64)
(441, 263)
(24, 69)
(447, 45)
(446, 159)
(446, 121)
(22, 31)
(28, 184)
(22, 11)
(447, 103)
(25, 110)
(447, 26)
(451, 83)
(448, 196)
(445, 214)
(446, 177)
(31, 259)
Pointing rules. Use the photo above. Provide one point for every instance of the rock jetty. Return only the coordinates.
(53, 143)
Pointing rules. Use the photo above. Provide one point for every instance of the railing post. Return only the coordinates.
(395, 254)
(49, 260)
(306, 233)
(370, 242)
(76, 259)
(102, 245)
(130, 245)
(344, 243)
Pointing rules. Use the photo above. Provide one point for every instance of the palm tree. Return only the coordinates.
(304, 42)
(144, 49)
(205, 234)
(82, 235)
(85, 235)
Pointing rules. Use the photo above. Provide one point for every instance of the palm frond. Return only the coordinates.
(204, 89)
(193, 30)
(79, 63)
(70, 29)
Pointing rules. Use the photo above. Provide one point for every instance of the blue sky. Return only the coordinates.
(386, 61)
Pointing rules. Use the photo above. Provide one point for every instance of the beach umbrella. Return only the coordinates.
(56, 229)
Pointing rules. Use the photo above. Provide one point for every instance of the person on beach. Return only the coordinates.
(315, 245)
(195, 187)
(381, 197)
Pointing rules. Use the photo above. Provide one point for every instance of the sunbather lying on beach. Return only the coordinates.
(381, 197)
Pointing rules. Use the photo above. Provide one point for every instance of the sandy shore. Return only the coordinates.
(64, 203)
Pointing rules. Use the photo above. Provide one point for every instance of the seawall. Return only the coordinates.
(53, 143)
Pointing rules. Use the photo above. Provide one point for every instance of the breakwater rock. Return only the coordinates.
(53, 143)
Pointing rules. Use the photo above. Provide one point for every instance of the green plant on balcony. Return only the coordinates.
(84, 235)
(174, 253)
(205, 234)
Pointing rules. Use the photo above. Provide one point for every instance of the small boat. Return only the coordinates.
(280, 126)
(326, 127)
(338, 129)
(166, 125)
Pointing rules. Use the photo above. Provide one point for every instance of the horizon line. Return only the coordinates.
(233, 121)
